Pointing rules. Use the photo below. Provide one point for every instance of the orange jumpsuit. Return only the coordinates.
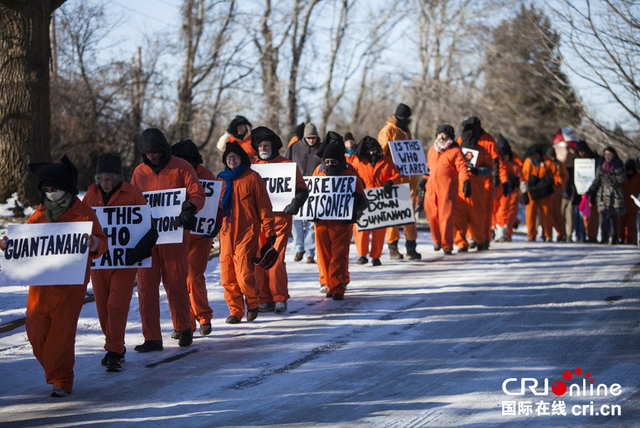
(470, 213)
(113, 288)
(333, 238)
(53, 310)
(391, 132)
(239, 240)
(446, 171)
(557, 218)
(245, 144)
(627, 221)
(506, 208)
(199, 248)
(546, 167)
(273, 284)
(168, 261)
(374, 176)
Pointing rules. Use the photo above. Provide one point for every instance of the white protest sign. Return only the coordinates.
(166, 206)
(471, 156)
(330, 198)
(206, 217)
(584, 172)
(408, 157)
(280, 179)
(124, 227)
(384, 211)
(45, 254)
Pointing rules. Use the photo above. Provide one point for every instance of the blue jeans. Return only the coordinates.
(304, 237)
(578, 224)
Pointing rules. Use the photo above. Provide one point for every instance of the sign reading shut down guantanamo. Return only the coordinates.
(384, 211)
(46, 254)
(408, 156)
(330, 198)
(166, 206)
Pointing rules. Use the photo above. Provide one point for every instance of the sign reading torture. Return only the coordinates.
(330, 198)
(383, 211)
(45, 254)
(166, 206)
(206, 217)
(280, 179)
(124, 227)
(408, 157)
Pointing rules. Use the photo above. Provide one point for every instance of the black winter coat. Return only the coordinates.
(608, 188)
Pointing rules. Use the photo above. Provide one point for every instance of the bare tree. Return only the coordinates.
(25, 113)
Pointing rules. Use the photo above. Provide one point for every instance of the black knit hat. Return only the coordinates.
(331, 137)
(334, 150)
(503, 146)
(536, 148)
(262, 133)
(348, 136)
(237, 121)
(108, 163)
(403, 111)
(234, 147)
(62, 176)
(447, 129)
(188, 151)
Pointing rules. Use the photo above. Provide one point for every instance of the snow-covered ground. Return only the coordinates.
(413, 344)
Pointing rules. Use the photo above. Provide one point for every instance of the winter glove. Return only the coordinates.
(143, 248)
(525, 198)
(388, 188)
(473, 170)
(297, 202)
(495, 181)
(291, 209)
(466, 189)
(506, 189)
(422, 184)
(187, 217)
(268, 255)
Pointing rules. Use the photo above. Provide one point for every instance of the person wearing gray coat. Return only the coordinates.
(607, 191)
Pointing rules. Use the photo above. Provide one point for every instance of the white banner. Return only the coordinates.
(330, 198)
(280, 179)
(124, 227)
(166, 206)
(584, 172)
(408, 157)
(207, 215)
(45, 254)
(383, 212)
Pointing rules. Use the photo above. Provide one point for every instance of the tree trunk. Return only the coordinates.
(25, 112)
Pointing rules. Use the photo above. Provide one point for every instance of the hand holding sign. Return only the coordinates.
(187, 218)
(3, 243)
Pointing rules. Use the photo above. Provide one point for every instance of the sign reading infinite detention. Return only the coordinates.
(166, 206)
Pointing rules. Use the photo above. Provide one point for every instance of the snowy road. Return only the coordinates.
(413, 344)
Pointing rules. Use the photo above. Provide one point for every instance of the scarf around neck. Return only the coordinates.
(54, 210)
(228, 176)
(441, 146)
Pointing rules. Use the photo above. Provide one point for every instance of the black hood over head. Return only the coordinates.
(630, 166)
(237, 121)
(262, 133)
(329, 138)
(152, 140)
(234, 147)
(365, 145)
(536, 148)
(503, 146)
(299, 131)
(61, 175)
(471, 132)
(447, 129)
(582, 146)
(188, 151)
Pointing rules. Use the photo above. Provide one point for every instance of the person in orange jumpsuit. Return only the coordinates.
(507, 206)
(627, 221)
(239, 130)
(169, 262)
(557, 219)
(113, 288)
(471, 210)
(199, 248)
(397, 129)
(333, 237)
(497, 179)
(539, 170)
(273, 284)
(246, 211)
(376, 170)
(53, 310)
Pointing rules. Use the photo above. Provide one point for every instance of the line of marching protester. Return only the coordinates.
(159, 228)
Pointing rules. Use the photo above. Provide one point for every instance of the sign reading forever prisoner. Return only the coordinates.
(206, 217)
(166, 206)
(45, 254)
(280, 179)
(124, 227)
(330, 198)
(408, 157)
(383, 212)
